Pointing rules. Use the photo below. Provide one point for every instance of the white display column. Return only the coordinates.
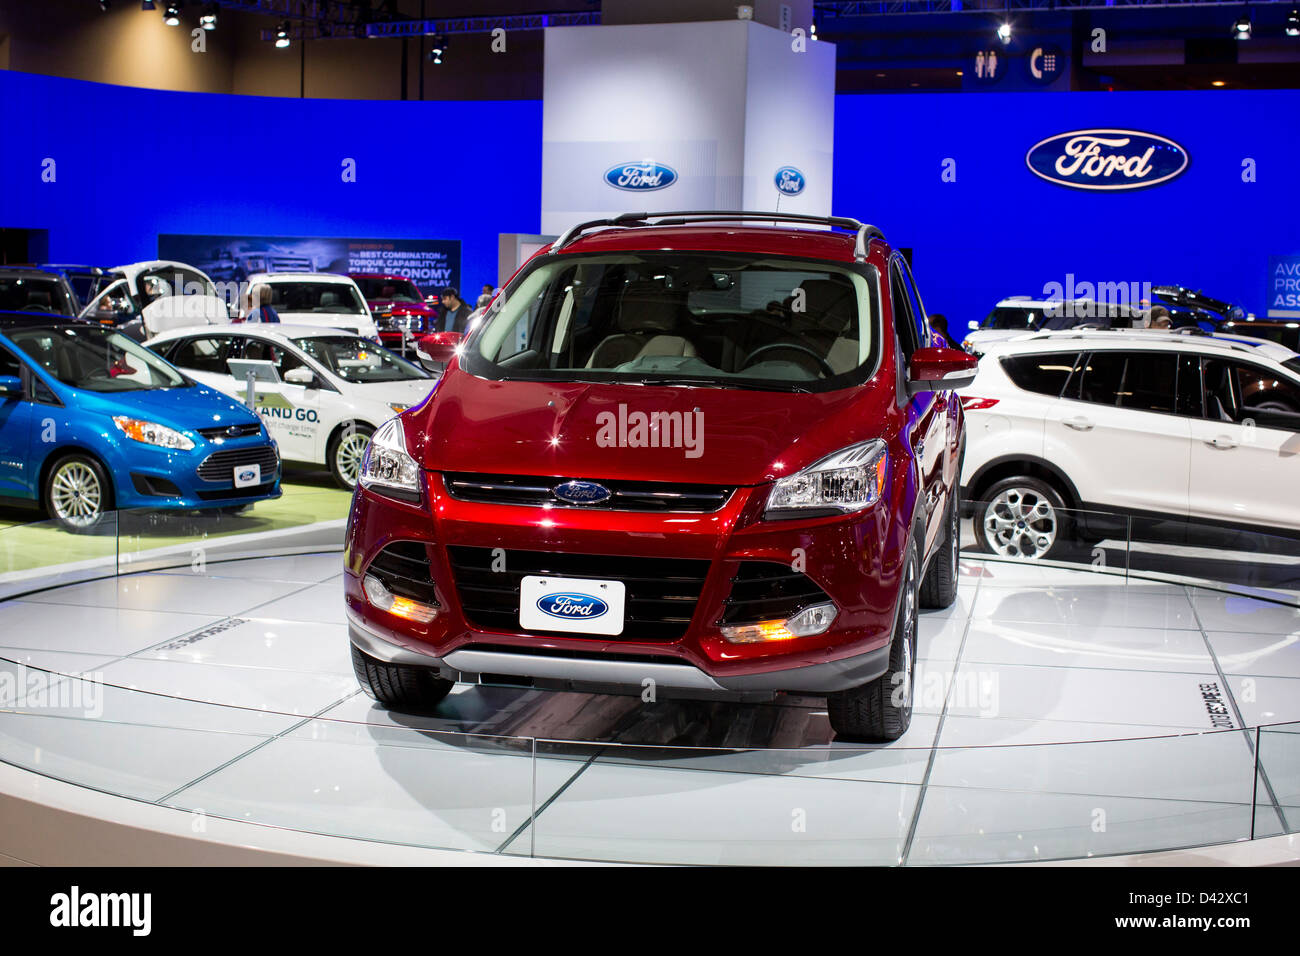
(703, 115)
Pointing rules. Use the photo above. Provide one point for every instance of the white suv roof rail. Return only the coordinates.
(1243, 344)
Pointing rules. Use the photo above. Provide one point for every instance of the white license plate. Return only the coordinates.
(246, 476)
(579, 605)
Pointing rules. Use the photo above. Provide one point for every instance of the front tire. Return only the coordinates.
(77, 493)
(345, 452)
(399, 686)
(1021, 517)
(882, 708)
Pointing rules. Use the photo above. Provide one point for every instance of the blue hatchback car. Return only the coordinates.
(91, 421)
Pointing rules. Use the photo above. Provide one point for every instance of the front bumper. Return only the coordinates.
(855, 560)
(170, 481)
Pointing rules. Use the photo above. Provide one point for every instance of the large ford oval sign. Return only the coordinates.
(1106, 159)
(640, 177)
(581, 492)
(572, 606)
(790, 181)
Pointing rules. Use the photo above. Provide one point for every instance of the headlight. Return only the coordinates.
(387, 466)
(151, 433)
(851, 479)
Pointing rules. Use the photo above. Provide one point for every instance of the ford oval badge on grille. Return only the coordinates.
(581, 492)
(570, 606)
(1106, 159)
(641, 177)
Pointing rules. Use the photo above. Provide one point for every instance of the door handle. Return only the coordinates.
(1221, 442)
(1078, 424)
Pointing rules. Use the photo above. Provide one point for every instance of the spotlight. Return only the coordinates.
(1293, 23)
(1241, 29)
(105, 4)
(1004, 32)
(282, 35)
(172, 15)
(208, 19)
(437, 50)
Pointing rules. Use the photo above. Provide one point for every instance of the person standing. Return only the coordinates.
(455, 312)
(262, 310)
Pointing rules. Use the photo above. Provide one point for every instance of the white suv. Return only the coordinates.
(1018, 314)
(316, 298)
(1140, 422)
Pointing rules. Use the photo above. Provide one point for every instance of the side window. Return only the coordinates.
(1237, 391)
(262, 350)
(114, 303)
(9, 364)
(1142, 381)
(919, 318)
(904, 323)
(1191, 392)
(1043, 374)
(203, 354)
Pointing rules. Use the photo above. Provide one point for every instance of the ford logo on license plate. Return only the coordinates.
(572, 606)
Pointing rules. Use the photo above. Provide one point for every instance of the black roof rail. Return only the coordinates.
(865, 231)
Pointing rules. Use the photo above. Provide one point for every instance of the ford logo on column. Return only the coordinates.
(568, 606)
(1106, 159)
(790, 181)
(641, 177)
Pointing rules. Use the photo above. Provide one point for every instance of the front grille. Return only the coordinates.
(661, 592)
(624, 495)
(231, 431)
(769, 591)
(221, 465)
(403, 566)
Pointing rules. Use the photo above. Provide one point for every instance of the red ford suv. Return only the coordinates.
(682, 453)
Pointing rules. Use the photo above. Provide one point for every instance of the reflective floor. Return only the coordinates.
(1060, 714)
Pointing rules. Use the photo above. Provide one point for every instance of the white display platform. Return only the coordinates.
(1061, 714)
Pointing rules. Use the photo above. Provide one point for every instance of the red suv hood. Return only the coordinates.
(542, 428)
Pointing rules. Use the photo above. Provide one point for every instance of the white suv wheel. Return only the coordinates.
(1020, 522)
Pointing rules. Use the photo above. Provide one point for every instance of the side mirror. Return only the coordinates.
(939, 370)
(300, 376)
(11, 386)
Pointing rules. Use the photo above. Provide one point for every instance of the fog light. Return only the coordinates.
(386, 600)
(808, 622)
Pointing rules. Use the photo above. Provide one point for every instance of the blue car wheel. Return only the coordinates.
(78, 493)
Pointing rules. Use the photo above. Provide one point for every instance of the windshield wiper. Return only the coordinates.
(724, 383)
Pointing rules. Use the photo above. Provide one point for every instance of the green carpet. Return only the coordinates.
(29, 541)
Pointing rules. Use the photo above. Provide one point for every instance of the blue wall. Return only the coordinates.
(133, 163)
(1000, 230)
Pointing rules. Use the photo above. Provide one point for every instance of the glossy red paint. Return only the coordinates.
(472, 424)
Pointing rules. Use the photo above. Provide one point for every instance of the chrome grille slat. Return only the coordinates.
(537, 491)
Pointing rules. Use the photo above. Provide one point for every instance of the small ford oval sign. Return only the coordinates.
(790, 181)
(641, 177)
(581, 492)
(571, 606)
(1106, 159)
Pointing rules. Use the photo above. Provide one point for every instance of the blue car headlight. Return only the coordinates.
(151, 433)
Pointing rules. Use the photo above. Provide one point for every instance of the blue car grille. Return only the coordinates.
(221, 465)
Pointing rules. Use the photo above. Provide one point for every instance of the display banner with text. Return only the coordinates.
(429, 263)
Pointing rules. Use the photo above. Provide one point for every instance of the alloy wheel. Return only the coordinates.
(348, 456)
(76, 495)
(908, 635)
(1020, 523)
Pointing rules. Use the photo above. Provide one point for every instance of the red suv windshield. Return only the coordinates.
(721, 319)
